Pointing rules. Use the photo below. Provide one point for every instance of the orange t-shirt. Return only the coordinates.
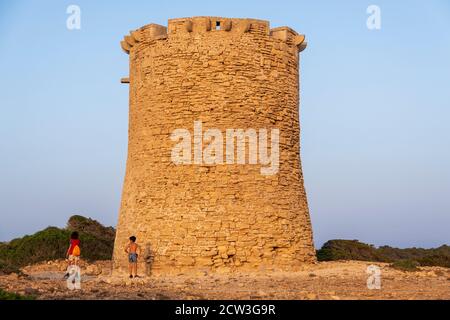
(73, 244)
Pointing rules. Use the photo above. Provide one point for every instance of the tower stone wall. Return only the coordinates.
(226, 73)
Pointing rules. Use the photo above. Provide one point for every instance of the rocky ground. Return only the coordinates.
(325, 280)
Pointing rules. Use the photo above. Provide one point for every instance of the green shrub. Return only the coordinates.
(97, 243)
(47, 244)
(355, 250)
(6, 268)
(405, 265)
(347, 250)
(5, 295)
(435, 260)
(91, 227)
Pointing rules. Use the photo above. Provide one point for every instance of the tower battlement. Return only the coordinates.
(218, 26)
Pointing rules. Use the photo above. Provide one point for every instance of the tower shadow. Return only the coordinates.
(149, 257)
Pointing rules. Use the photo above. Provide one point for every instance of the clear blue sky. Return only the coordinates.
(375, 112)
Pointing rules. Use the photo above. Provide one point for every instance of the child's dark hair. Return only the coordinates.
(74, 235)
(133, 238)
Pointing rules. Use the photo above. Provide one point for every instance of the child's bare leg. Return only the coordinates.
(130, 268)
(135, 269)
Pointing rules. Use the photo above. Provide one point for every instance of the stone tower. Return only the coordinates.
(226, 216)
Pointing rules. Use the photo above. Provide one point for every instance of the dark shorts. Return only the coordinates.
(132, 257)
